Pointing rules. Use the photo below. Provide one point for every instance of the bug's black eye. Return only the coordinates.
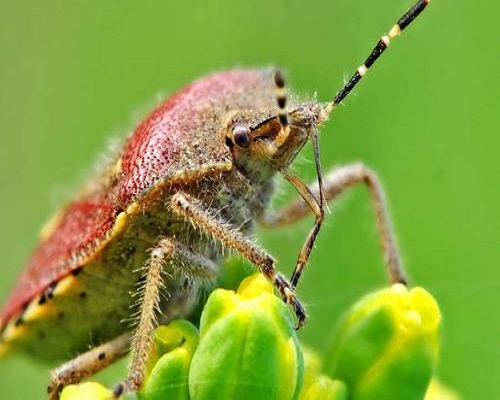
(241, 136)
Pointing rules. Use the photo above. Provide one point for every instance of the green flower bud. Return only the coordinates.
(170, 358)
(312, 367)
(387, 345)
(325, 388)
(86, 391)
(317, 386)
(248, 346)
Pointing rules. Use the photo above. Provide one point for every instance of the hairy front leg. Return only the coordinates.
(201, 217)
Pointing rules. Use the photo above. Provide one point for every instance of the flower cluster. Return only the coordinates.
(385, 347)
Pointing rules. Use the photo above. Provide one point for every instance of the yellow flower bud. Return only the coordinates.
(387, 345)
(318, 386)
(86, 391)
(248, 346)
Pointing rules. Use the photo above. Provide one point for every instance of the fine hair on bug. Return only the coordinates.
(190, 182)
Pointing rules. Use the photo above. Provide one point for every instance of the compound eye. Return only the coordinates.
(241, 136)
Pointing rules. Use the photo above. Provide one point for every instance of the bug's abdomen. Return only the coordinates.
(95, 302)
(84, 310)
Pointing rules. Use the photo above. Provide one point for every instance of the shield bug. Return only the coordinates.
(193, 178)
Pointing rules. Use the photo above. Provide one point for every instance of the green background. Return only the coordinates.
(74, 74)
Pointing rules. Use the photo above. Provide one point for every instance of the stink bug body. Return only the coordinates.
(193, 178)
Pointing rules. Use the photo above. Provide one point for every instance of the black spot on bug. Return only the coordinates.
(83, 295)
(76, 271)
(101, 356)
(128, 252)
(43, 299)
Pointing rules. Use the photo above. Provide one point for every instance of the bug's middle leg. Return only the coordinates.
(167, 257)
(334, 183)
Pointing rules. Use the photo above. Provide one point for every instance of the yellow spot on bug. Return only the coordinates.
(13, 332)
(121, 221)
(51, 225)
(65, 285)
(133, 208)
(36, 311)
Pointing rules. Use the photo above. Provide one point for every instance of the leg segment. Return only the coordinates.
(317, 208)
(335, 183)
(88, 364)
(148, 312)
(167, 256)
(195, 212)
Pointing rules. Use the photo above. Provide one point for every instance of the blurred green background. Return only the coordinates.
(75, 74)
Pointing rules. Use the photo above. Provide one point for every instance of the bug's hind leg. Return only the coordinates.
(335, 182)
(88, 364)
(168, 259)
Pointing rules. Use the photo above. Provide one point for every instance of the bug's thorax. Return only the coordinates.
(261, 145)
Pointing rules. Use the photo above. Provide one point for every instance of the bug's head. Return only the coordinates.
(259, 148)
(262, 144)
(265, 141)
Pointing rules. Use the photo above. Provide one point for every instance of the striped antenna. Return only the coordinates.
(281, 97)
(377, 51)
